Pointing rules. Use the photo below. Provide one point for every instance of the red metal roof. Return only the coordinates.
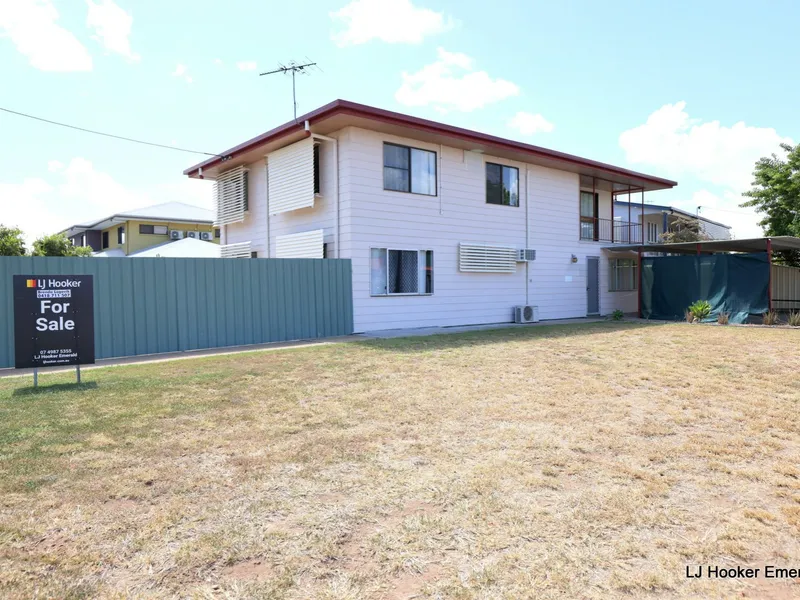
(370, 112)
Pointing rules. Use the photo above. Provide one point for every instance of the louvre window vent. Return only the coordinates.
(240, 250)
(307, 244)
(291, 177)
(230, 196)
(482, 258)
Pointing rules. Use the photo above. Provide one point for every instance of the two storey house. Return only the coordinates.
(444, 226)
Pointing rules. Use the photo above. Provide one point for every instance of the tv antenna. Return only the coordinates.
(293, 67)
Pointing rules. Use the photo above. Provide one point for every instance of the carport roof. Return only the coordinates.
(781, 242)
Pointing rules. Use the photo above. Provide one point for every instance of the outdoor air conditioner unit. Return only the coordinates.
(192, 234)
(206, 236)
(526, 314)
(526, 255)
(175, 234)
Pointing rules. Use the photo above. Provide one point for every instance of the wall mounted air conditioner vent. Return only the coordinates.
(526, 255)
(526, 314)
(192, 234)
(175, 234)
(206, 236)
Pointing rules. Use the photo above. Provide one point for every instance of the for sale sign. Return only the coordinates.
(53, 320)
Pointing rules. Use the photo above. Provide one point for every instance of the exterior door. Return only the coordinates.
(592, 285)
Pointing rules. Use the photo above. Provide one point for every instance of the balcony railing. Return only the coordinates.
(608, 230)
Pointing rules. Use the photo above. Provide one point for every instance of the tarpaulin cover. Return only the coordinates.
(736, 284)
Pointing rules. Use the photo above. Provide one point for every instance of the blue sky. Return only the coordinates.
(692, 91)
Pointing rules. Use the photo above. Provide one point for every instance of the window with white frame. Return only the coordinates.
(409, 169)
(623, 274)
(401, 272)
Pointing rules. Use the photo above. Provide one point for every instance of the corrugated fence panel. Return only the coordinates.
(785, 287)
(154, 305)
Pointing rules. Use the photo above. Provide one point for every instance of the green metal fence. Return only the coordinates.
(152, 305)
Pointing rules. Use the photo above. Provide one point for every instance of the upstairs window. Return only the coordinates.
(105, 240)
(120, 235)
(589, 209)
(502, 185)
(401, 272)
(409, 170)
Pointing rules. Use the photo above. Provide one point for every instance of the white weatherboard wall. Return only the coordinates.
(386, 219)
(320, 216)
(371, 217)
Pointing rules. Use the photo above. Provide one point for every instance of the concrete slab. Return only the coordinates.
(398, 333)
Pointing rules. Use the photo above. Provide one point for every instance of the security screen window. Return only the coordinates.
(401, 272)
(502, 185)
(623, 275)
(409, 170)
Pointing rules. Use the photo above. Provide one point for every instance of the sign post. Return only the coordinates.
(53, 322)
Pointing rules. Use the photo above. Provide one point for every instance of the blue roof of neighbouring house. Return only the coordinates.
(680, 211)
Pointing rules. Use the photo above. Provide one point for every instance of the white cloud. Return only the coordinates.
(31, 27)
(726, 209)
(218, 62)
(24, 205)
(112, 26)
(450, 83)
(246, 65)
(391, 21)
(182, 72)
(529, 124)
(708, 152)
(78, 192)
(711, 152)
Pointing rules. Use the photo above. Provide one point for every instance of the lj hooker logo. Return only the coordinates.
(52, 288)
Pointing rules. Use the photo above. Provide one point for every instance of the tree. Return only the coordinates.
(58, 245)
(11, 242)
(776, 193)
(685, 229)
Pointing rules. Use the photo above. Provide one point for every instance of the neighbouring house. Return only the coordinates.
(659, 219)
(443, 225)
(183, 248)
(125, 233)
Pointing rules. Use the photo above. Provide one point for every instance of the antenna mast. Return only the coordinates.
(293, 67)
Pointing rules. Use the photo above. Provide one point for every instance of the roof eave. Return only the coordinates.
(352, 108)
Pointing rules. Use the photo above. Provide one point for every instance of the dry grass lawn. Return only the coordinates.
(588, 461)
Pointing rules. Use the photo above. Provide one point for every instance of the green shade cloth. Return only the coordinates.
(733, 283)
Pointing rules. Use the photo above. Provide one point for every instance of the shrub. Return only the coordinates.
(689, 316)
(617, 315)
(794, 318)
(700, 310)
(770, 318)
(723, 318)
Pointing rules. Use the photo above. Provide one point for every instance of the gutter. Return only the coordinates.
(385, 116)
